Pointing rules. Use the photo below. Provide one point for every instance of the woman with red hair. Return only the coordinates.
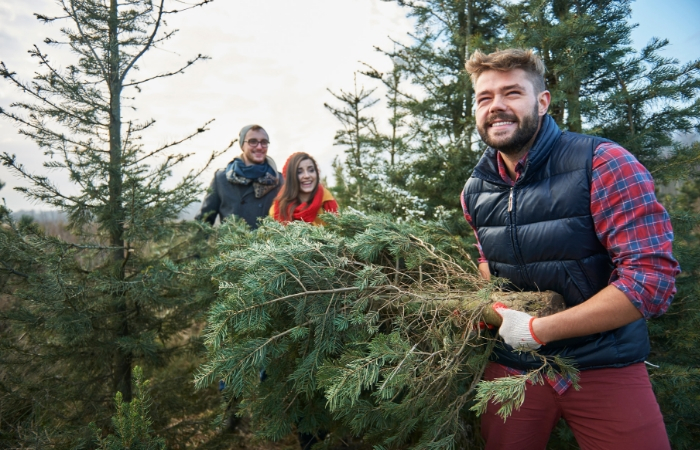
(302, 196)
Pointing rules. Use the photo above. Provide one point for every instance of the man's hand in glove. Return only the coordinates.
(516, 328)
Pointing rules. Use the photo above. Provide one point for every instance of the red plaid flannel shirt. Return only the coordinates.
(631, 224)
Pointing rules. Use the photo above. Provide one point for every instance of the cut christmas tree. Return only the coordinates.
(365, 327)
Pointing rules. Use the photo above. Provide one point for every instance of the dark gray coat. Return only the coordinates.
(224, 199)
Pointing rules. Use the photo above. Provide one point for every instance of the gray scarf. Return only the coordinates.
(235, 171)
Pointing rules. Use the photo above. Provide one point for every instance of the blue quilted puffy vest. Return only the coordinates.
(539, 234)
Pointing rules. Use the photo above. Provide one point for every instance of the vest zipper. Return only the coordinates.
(516, 249)
(510, 200)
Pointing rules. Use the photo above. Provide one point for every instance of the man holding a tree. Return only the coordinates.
(575, 214)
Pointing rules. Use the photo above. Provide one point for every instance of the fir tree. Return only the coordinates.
(367, 179)
(391, 193)
(357, 134)
(578, 41)
(644, 101)
(439, 102)
(84, 312)
(132, 423)
(394, 144)
(363, 329)
(431, 123)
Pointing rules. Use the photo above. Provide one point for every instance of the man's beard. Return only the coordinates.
(527, 128)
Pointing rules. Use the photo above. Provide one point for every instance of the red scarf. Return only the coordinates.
(305, 211)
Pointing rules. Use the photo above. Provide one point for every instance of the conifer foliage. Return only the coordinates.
(82, 313)
(431, 145)
(363, 327)
(132, 423)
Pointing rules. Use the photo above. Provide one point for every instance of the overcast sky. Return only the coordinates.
(272, 63)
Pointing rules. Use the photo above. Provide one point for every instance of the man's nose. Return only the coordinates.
(497, 104)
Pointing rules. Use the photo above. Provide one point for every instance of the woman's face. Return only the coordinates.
(307, 176)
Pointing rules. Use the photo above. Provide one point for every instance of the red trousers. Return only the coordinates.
(615, 409)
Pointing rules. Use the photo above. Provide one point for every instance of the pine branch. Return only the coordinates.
(199, 130)
(146, 45)
(168, 74)
(12, 271)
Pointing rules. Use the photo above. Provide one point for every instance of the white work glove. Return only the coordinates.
(516, 328)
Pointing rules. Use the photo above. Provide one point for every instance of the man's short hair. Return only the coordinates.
(507, 60)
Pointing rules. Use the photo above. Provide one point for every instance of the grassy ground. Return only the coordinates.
(243, 438)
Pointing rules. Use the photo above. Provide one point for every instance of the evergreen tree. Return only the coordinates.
(394, 144)
(83, 313)
(356, 135)
(578, 41)
(430, 149)
(367, 179)
(131, 422)
(644, 101)
(439, 100)
(364, 327)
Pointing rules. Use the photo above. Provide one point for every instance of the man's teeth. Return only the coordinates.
(500, 124)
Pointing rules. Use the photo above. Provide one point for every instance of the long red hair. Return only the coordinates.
(288, 197)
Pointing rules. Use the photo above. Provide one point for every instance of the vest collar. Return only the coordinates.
(487, 167)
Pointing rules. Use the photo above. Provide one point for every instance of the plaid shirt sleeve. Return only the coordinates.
(635, 229)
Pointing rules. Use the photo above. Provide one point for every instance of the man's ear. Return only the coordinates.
(543, 100)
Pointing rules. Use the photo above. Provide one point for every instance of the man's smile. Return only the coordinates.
(501, 124)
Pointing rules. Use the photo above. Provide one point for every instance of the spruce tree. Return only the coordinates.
(645, 101)
(439, 100)
(365, 328)
(357, 134)
(82, 313)
(578, 40)
(368, 178)
(132, 423)
(431, 124)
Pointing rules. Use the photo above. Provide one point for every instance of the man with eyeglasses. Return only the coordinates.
(247, 186)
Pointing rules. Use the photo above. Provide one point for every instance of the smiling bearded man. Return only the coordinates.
(575, 214)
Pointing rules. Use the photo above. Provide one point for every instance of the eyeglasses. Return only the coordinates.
(255, 142)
